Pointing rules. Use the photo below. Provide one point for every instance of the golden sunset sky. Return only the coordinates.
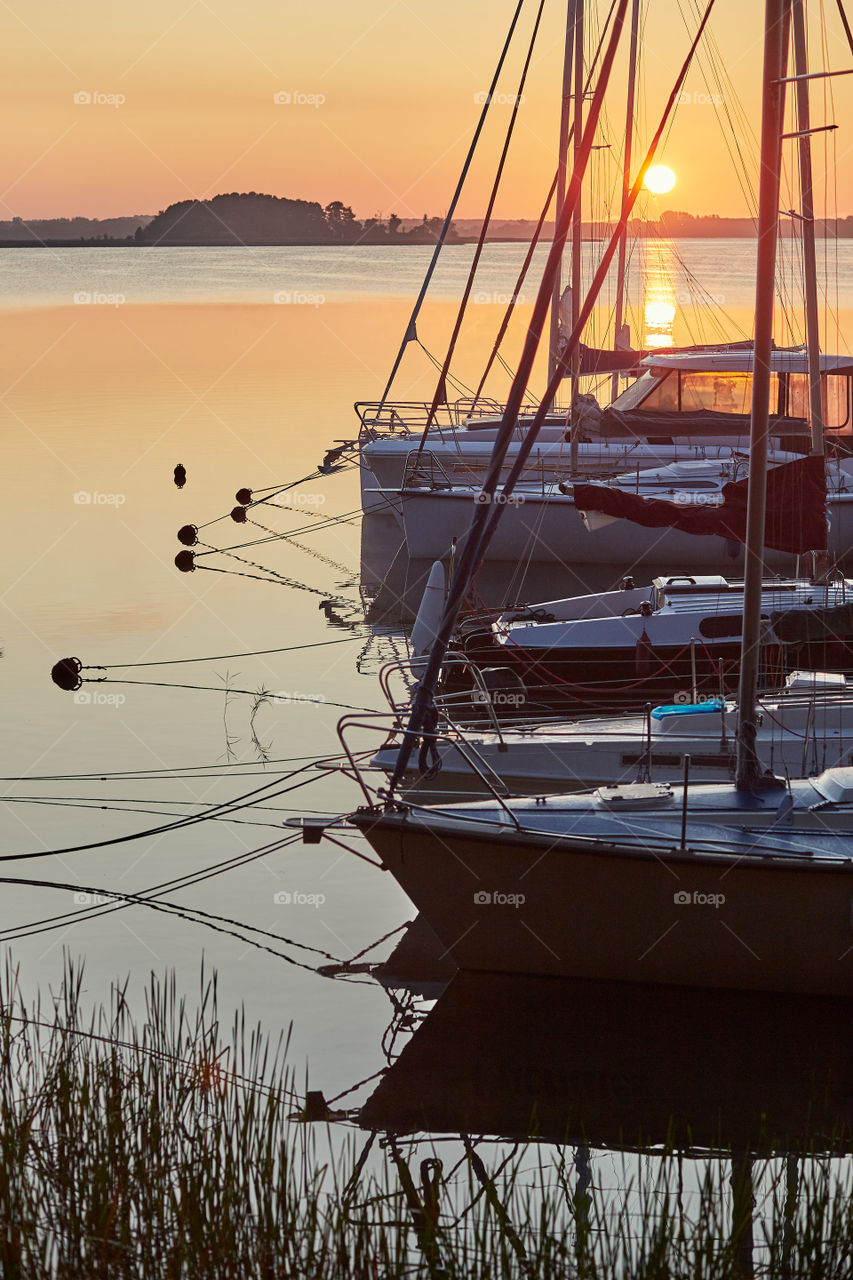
(383, 103)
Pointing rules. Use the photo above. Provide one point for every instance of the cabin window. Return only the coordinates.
(725, 626)
(663, 397)
(721, 392)
(835, 398)
(834, 395)
(721, 626)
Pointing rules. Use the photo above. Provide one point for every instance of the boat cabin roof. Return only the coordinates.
(783, 360)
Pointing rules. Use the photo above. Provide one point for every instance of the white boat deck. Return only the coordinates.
(775, 598)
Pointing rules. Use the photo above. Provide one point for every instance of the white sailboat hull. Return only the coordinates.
(461, 461)
(548, 529)
(579, 754)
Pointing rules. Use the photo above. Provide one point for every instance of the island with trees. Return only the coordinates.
(239, 218)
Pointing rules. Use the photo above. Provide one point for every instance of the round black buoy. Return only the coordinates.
(243, 496)
(180, 475)
(185, 561)
(238, 515)
(66, 674)
(188, 535)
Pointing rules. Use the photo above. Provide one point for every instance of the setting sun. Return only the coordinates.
(659, 179)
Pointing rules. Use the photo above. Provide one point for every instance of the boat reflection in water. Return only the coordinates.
(724, 1106)
(624, 1065)
(392, 583)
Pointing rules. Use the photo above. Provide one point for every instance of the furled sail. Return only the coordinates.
(796, 508)
(595, 360)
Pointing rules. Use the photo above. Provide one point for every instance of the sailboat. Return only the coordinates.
(436, 446)
(802, 729)
(686, 405)
(552, 523)
(648, 887)
(621, 649)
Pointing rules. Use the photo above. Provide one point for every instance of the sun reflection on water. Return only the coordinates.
(659, 299)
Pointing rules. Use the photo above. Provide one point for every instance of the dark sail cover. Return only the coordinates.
(619, 360)
(796, 508)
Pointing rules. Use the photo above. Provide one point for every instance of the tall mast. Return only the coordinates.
(776, 26)
(577, 224)
(562, 164)
(471, 554)
(626, 186)
(807, 209)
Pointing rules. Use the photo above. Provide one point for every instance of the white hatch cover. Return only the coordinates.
(816, 680)
(836, 785)
(694, 582)
(636, 795)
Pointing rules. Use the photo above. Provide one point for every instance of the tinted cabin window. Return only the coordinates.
(835, 400)
(835, 394)
(720, 392)
(663, 398)
(721, 626)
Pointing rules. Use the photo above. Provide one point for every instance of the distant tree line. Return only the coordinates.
(253, 218)
(256, 219)
(96, 230)
(675, 225)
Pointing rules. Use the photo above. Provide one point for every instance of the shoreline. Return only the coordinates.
(459, 242)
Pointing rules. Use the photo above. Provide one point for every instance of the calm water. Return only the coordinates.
(184, 356)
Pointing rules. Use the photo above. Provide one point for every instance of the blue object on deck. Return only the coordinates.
(687, 708)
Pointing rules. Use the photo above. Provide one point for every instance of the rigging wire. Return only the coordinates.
(217, 657)
(194, 771)
(440, 390)
(328, 522)
(411, 329)
(228, 806)
(270, 497)
(266, 695)
(194, 915)
(187, 880)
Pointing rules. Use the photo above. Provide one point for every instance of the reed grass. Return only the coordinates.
(156, 1146)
